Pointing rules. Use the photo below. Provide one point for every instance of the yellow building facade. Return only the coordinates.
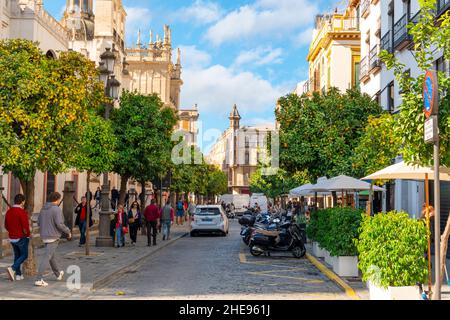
(334, 55)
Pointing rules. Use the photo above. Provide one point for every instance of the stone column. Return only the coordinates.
(104, 239)
(68, 203)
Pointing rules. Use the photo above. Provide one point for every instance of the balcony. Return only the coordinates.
(365, 8)
(374, 59)
(402, 38)
(442, 6)
(386, 42)
(364, 72)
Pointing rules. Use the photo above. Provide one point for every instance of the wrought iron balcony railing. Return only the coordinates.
(386, 42)
(364, 69)
(374, 59)
(365, 8)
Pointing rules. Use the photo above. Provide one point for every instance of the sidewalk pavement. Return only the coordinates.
(101, 267)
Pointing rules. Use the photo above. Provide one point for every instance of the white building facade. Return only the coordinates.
(395, 16)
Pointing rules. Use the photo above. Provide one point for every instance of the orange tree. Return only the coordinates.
(318, 134)
(43, 105)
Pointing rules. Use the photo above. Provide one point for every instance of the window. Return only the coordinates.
(247, 157)
(356, 72)
(407, 8)
(440, 65)
(390, 97)
(50, 184)
(208, 212)
(377, 97)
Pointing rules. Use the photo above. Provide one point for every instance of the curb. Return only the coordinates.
(104, 280)
(334, 277)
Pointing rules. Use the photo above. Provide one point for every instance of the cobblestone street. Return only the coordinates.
(220, 268)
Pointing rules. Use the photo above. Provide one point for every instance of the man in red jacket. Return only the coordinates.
(16, 222)
(152, 217)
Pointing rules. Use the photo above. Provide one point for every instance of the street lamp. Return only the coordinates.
(106, 70)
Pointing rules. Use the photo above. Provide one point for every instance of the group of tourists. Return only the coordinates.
(154, 218)
(52, 228)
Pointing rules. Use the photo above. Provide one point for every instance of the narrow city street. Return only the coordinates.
(220, 268)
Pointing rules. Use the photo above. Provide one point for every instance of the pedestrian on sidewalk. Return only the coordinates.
(152, 218)
(191, 210)
(167, 218)
(97, 196)
(121, 226)
(134, 221)
(180, 212)
(80, 220)
(52, 227)
(18, 227)
(114, 198)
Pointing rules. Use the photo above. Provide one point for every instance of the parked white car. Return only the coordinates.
(209, 219)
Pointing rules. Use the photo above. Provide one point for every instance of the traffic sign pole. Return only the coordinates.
(431, 110)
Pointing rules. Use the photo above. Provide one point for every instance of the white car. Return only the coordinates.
(209, 219)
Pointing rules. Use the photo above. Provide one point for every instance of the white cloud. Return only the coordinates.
(304, 38)
(263, 18)
(193, 58)
(259, 57)
(201, 12)
(138, 18)
(217, 88)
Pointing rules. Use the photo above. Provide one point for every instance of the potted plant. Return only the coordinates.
(344, 224)
(316, 232)
(391, 255)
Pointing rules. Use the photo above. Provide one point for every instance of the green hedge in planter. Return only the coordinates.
(312, 226)
(335, 230)
(344, 224)
(391, 250)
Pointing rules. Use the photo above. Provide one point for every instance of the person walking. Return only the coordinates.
(80, 220)
(52, 227)
(18, 227)
(152, 217)
(114, 198)
(134, 221)
(167, 218)
(97, 197)
(120, 223)
(191, 210)
(180, 212)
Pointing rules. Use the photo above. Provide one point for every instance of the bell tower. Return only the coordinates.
(235, 118)
(79, 18)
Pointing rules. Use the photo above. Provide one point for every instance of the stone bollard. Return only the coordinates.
(68, 203)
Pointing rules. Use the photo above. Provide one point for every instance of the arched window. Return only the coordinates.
(51, 54)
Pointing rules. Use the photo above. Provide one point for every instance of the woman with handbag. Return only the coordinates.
(134, 221)
(121, 224)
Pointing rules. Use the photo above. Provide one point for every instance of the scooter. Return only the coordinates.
(288, 238)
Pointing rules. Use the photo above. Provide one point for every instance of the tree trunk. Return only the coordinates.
(123, 188)
(444, 246)
(88, 212)
(142, 200)
(28, 190)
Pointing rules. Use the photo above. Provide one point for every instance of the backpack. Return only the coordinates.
(166, 213)
(180, 206)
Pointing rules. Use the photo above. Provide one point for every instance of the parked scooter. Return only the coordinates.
(287, 238)
(262, 222)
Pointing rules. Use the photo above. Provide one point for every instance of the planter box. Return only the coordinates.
(328, 258)
(318, 251)
(346, 266)
(394, 293)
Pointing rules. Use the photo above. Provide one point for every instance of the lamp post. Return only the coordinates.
(106, 70)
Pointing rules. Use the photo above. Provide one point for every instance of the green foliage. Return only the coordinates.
(43, 105)
(143, 127)
(391, 250)
(276, 185)
(335, 229)
(377, 146)
(97, 151)
(318, 134)
(428, 37)
(201, 178)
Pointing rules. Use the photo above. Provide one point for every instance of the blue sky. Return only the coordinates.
(248, 52)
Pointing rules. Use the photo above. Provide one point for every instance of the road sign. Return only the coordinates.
(430, 94)
(431, 130)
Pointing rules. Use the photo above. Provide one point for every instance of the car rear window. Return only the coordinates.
(208, 211)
